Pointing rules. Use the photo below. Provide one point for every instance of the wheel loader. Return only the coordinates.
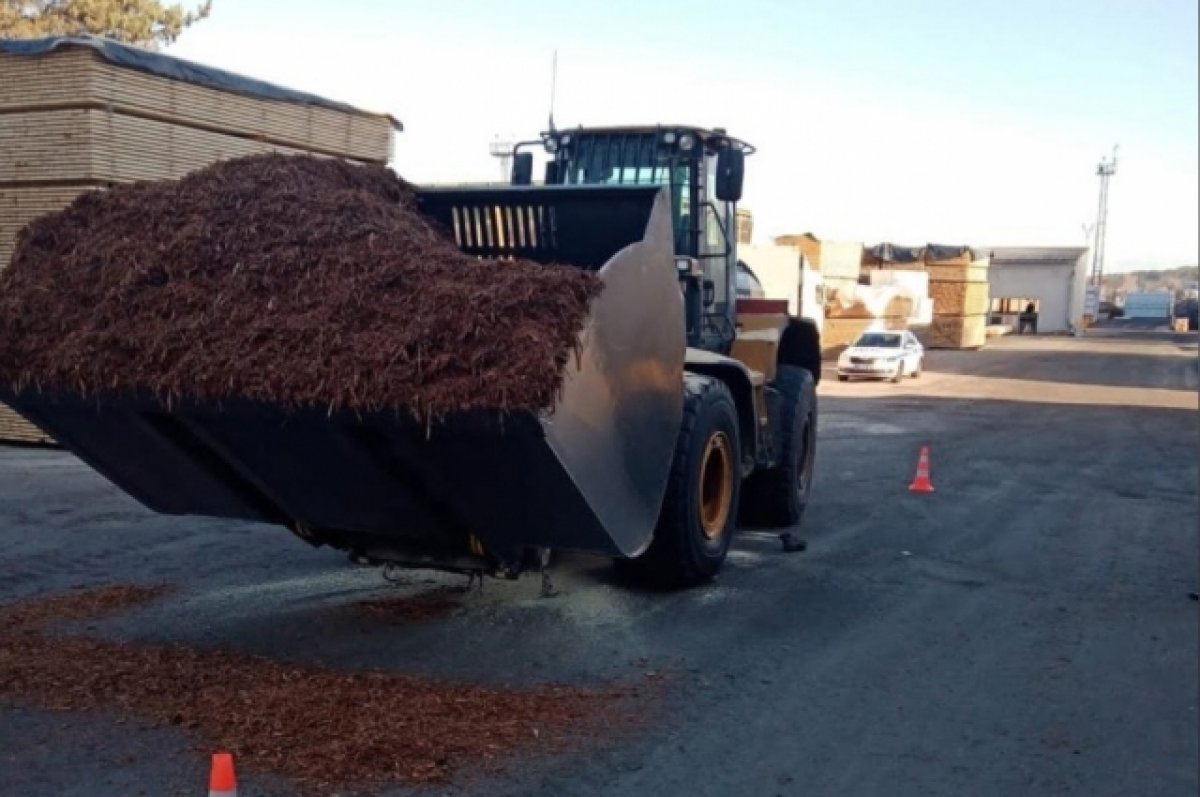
(684, 410)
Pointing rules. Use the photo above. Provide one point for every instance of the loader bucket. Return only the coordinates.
(589, 475)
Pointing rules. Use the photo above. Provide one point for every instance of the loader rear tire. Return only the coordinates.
(700, 508)
(777, 497)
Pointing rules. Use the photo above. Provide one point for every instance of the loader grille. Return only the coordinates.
(504, 231)
(582, 226)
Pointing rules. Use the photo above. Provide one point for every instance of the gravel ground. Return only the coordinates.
(1027, 629)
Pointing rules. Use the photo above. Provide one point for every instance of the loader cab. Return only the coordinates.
(702, 171)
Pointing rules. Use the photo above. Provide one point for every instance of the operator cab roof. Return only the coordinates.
(713, 140)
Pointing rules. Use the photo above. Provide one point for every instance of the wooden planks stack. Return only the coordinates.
(19, 206)
(92, 146)
(745, 226)
(959, 289)
(839, 333)
(846, 320)
(73, 121)
(807, 243)
(79, 77)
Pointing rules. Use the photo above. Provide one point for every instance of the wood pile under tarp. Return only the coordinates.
(807, 243)
(957, 332)
(894, 257)
(839, 333)
(80, 114)
(848, 314)
(958, 287)
(838, 262)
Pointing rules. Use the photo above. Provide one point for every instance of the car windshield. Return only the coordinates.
(877, 340)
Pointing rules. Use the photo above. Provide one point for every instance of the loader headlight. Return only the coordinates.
(669, 137)
(552, 145)
(687, 141)
(565, 139)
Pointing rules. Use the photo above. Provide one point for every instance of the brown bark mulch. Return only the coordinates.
(321, 727)
(293, 280)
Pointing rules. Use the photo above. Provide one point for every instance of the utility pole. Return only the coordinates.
(1104, 171)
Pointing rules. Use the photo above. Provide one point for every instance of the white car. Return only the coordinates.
(886, 354)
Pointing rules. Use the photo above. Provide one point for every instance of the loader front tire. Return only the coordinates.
(777, 497)
(700, 508)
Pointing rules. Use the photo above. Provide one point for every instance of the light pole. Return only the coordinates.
(1104, 171)
(503, 152)
(1091, 302)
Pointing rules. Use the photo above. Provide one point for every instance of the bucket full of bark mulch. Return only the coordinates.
(291, 280)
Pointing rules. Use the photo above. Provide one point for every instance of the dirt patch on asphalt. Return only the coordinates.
(423, 607)
(290, 280)
(75, 606)
(324, 728)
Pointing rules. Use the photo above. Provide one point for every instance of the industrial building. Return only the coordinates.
(1052, 278)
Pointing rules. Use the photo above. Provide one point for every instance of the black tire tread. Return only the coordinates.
(769, 500)
(671, 560)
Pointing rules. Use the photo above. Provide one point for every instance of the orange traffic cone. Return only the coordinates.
(921, 483)
(222, 782)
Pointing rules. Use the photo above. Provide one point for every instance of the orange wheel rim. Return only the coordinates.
(716, 485)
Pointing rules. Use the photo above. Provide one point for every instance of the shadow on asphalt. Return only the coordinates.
(1138, 331)
(1063, 367)
(1133, 324)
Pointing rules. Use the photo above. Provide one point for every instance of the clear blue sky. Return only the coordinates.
(971, 121)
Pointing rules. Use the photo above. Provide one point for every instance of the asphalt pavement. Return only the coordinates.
(1026, 629)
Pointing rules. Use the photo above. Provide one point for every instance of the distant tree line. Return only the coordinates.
(1171, 279)
(145, 23)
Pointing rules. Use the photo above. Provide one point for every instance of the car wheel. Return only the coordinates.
(843, 378)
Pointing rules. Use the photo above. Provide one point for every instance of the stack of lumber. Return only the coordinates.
(849, 314)
(81, 78)
(73, 119)
(745, 226)
(838, 333)
(959, 288)
(21, 205)
(894, 257)
(881, 304)
(837, 261)
(807, 243)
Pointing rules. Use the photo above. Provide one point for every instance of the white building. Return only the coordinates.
(1053, 278)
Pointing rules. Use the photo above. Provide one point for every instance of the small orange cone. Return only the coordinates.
(921, 483)
(222, 782)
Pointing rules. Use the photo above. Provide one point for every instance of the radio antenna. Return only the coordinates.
(553, 87)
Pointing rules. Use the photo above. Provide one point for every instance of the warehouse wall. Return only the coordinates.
(1051, 284)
